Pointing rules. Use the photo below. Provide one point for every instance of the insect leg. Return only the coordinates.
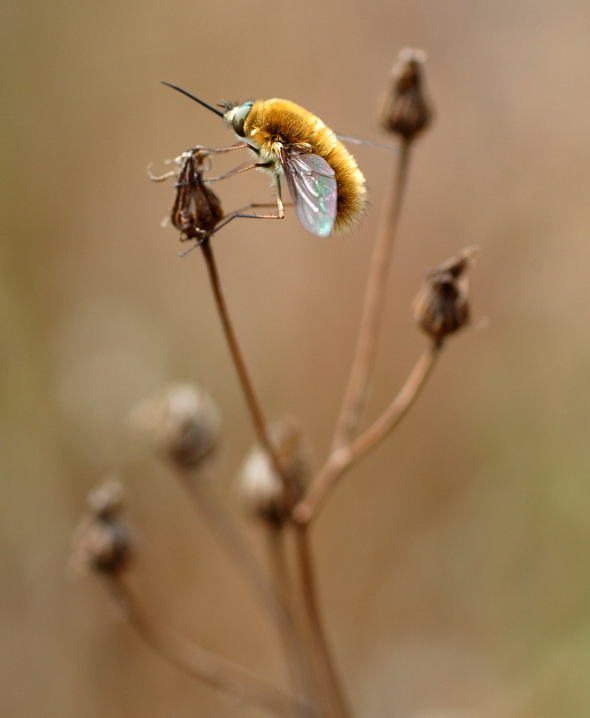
(234, 215)
(243, 212)
(220, 150)
(236, 171)
(280, 205)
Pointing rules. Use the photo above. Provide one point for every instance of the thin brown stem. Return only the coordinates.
(356, 391)
(343, 457)
(254, 406)
(236, 546)
(301, 679)
(330, 691)
(398, 407)
(275, 598)
(334, 705)
(201, 664)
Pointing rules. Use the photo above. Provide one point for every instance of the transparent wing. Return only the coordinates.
(369, 143)
(312, 185)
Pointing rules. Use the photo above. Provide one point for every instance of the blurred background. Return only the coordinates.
(454, 561)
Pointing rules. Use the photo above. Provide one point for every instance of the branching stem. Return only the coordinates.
(342, 458)
(360, 373)
(330, 693)
(398, 407)
(356, 391)
(201, 664)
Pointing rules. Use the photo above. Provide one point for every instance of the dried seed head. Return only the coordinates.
(184, 422)
(262, 491)
(405, 110)
(197, 209)
(106, 499)
(442, 305)
(102, 541)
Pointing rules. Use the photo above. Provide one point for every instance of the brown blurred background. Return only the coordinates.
(454, 563)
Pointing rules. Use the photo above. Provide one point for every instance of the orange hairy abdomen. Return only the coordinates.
(275, 120)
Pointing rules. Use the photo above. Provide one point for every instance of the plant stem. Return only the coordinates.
(276, 599)
(330, 691)
(254, 407)
(332, 700)
(293, 640)
(343, 457)
(199, 663)
(356, 391)
(235, 544)
(398, 407)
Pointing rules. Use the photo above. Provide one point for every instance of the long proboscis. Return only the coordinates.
(196, 99)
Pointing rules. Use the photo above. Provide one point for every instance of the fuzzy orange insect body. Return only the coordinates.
(273, 126)
(326, 186)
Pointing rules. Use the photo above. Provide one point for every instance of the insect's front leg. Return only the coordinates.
(220, 150)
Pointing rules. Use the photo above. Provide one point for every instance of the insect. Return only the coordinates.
(326, 186)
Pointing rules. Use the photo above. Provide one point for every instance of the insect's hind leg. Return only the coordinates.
(242, 213)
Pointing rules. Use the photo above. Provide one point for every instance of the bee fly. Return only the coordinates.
(326, 186)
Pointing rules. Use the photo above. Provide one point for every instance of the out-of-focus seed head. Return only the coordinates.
(102, 542)
(106, 499)
(405, 109)
(183, 421)
(262, 491)
(196, 209)
(442, 306)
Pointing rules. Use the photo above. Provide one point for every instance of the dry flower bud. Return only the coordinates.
(184, 422)
(405, 110)
(197, 209)
(261, 489)
(442, 305)
(102, 541)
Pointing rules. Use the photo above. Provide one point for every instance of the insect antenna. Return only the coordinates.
(196, 99)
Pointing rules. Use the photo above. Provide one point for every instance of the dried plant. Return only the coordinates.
(276, 485)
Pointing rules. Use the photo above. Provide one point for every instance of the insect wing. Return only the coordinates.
(312, 184)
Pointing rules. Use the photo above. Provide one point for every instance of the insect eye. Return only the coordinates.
(238, 117)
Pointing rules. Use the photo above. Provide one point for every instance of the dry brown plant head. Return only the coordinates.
(261, 489)
(196, 209)
(405, 109)
(183, 421)
(442, 306)
(102, 542)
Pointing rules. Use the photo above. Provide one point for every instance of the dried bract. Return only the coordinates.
(405, 110)
(442, 305)
(197, 209)
(102, 541)
(184, 422)
(262, 491)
